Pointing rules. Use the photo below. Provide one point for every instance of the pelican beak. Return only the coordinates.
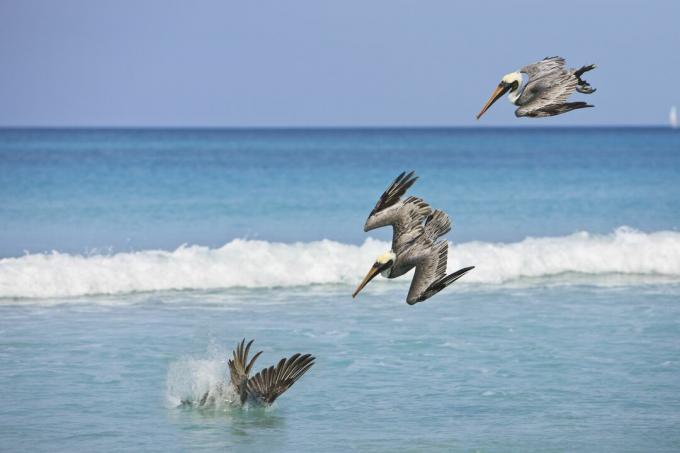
(500, 90)
(372, 272)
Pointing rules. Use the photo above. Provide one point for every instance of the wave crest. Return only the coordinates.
(258, 264)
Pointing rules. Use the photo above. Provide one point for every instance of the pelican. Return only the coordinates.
(546, 91)
(416, 230)
(266, 386)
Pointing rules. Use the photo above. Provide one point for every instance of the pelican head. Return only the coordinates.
(383, 264)
(509, 82)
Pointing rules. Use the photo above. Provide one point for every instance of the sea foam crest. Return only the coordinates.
(258, 264)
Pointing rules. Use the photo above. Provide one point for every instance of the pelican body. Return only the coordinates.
(548, 86)
(266, 386)
(415, 242)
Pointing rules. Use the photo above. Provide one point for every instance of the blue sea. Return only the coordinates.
(133, 261)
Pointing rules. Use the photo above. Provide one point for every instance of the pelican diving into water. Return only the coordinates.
(267, 385)
(546, 91)
(416, 230)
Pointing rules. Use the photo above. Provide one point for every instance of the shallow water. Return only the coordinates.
(543, 368)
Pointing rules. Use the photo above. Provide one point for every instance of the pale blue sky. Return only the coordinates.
(322, 63)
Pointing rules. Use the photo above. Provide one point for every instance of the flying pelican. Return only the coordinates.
(546, 91)
(267, 385)
(414, 243)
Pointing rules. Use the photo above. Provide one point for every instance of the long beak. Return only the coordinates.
(372, 272)
(498, 92)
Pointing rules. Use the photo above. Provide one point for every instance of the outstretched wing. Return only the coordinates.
(394, 192)
(270, 383)
(405, 216)
(239, 367)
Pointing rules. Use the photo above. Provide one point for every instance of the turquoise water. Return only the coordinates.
(75, 191)
(568, 340)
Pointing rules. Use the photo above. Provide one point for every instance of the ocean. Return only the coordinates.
(133, 261)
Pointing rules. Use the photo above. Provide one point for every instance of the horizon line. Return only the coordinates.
(340, 127)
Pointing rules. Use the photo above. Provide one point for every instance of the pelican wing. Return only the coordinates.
(270, 383)
(407, 223)
(394, 192)
(239, 367)
(541, 68)
(437, 225)
(430, 267)
(541, 96)
(406, 216)
(550, 84)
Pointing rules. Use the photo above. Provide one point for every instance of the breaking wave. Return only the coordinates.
(260, 264)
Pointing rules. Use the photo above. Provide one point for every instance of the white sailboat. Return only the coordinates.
(673, 117)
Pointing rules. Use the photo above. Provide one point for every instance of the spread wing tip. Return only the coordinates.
(239, 366)
(272, 382)
(393, 193)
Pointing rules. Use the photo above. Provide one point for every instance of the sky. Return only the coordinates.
(300, 63)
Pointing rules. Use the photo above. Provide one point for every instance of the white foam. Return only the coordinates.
(259, 264)
(189, 379)
(625, 251)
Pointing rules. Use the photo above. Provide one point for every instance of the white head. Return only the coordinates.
(386, 261)
(383, 265)
(514, 81)
(509, 83)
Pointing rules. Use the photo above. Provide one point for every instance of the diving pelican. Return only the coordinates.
(546, 91)
(416, 230)
(267, 385)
